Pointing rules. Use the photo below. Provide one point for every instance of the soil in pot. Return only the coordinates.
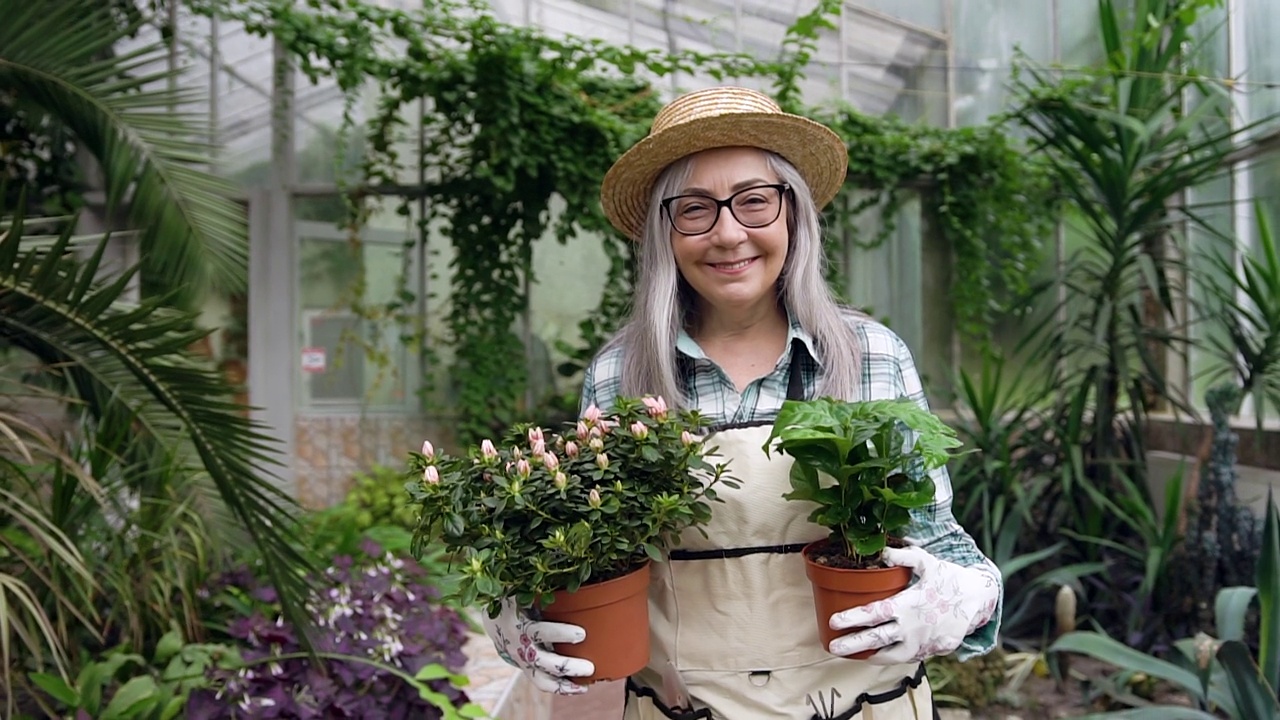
(840, 583)
(615, 614)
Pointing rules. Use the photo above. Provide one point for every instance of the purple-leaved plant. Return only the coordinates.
(380, 609)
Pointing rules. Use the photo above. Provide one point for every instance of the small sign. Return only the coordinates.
(314, 359)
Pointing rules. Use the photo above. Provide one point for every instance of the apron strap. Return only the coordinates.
(795, 379)
(727, 553)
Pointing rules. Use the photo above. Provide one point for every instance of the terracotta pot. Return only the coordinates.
(838, 589)
(615, 614)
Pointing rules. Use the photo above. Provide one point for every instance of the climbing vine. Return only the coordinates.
(513, 118)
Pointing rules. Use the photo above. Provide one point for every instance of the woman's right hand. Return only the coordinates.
(526, 644)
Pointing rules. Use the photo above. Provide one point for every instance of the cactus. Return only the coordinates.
(1224, 538)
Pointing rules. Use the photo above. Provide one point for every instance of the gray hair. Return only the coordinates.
(664, 302)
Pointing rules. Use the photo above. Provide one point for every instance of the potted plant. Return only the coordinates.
(566, 523)
(864, 466)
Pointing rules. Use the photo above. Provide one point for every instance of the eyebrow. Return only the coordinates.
(733, 189)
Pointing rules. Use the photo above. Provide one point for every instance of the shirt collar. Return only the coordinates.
(687, 346)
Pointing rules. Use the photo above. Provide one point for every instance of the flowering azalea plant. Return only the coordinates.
(544, 511)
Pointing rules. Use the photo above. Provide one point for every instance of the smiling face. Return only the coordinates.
(732, 267)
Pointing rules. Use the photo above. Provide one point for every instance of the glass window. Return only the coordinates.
(987, 33)
(352, 358)
(1079, 42)
(1212, 202)
(1262, 62)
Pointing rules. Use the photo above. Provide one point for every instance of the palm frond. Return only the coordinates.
(152, 155)
(110, 353)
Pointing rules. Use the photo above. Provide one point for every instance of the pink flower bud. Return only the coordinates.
(561, 480)
(550, 461)
(656, 406)
(539, 447)
(607, 425)
(571, 449)
(488, 450)
(593, 498)
(596, 445)
(582, 430)
(592, 413)
(596, 431)
(535, 434)
(687, 438)
(522, 468)
(428, 450)
(640, 430)
(602, 461)
(431, 475)
(516, 453)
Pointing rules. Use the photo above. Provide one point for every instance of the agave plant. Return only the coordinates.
(1220, 675)
(135, 392)
(58, 67)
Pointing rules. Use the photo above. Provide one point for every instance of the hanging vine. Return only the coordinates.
(514, 118)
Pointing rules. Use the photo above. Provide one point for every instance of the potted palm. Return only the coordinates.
(864, 467)
(567, 522)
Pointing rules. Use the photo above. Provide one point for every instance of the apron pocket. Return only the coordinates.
(643, 704)
(839, 690)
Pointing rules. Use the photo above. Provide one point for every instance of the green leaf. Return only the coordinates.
(653, 552)
(131, 696)
(174, 708)
(1229, 610)
(1253, 695)
(1107, 650)
(57, 688)
(168, 646)
(869, 545)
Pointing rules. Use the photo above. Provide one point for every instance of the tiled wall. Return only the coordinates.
(330, 449)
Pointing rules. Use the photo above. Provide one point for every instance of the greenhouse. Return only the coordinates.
(254, 252)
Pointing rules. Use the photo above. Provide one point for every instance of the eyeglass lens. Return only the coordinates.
(752, 207)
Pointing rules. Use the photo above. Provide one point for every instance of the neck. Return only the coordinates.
(760, 321)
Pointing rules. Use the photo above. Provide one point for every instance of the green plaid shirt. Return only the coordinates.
(888, 371)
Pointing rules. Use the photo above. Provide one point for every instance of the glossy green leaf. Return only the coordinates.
(1122, 656)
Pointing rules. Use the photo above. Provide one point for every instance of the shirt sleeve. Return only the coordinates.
(935, 528)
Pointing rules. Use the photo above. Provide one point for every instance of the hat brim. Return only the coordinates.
(817, 153)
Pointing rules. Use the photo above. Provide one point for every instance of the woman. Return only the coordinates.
(732, 315)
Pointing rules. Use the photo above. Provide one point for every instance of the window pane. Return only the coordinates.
(1211, 202)
(350, 359)
(1262, 62)
(987, 33)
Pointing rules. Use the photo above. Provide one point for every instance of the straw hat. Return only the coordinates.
(714, 118)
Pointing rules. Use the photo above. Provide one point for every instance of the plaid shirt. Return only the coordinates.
(888, 371)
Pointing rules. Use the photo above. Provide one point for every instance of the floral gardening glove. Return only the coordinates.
(932, 617)
(525, 643)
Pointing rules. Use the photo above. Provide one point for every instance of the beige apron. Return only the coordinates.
(732, 614)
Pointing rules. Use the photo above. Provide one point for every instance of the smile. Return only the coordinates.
(733, 266)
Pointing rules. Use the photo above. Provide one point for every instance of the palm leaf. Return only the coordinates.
(109, 352)
(127, 117)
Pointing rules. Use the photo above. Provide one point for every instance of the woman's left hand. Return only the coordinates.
(932, 617)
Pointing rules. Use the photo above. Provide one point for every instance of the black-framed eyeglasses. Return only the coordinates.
(753, 207)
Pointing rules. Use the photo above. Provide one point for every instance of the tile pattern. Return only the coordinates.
(331, 449)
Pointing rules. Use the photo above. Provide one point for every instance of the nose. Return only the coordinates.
(728, 232)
